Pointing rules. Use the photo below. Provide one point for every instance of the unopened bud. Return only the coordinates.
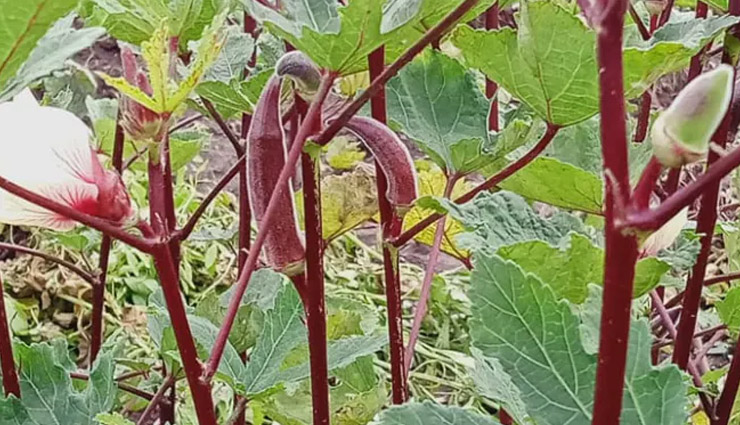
(140, 122)
(301, 69)
(682, 133)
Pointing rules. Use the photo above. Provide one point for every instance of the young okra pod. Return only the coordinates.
(392, 156)
(266, 156)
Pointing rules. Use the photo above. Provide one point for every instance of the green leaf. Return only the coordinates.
(519, 321)
(24, 23)
(453, 131)
(354, 401)
(48, 396)
(60, 43)
(493, 382)
(729, 309)
(233, 59)
(342, 154)
(282, 332)
(134, 21)
(341, 353)
(103, 115)
(494, 220)
(427, 413)
(550, 62)
(185, 146)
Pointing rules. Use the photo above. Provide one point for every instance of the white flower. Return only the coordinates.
(47, 151)
(665, 236)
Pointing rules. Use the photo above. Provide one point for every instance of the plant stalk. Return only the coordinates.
(200, 388)
(390, 224)
(492, 23)
(426, 287)
(98, 288)
(621, 249)
(11, 385)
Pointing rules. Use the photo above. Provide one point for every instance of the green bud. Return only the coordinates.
(682, 133)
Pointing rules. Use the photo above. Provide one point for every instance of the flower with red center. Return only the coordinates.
(140, 122)
(47, 151)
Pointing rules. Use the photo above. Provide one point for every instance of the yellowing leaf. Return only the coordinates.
(432, 183)
(157, 56)
(343, 154)
(133, 92)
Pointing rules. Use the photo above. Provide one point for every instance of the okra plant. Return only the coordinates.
(446, 212)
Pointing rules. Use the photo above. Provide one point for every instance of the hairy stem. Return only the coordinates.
(494, 180)
(102, 225)
(390, 224)
(621, 249)
(98, 288)
(200, 388)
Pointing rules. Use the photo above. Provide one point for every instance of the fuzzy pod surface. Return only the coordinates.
(393, 157)
(682, 133)
(266, 155)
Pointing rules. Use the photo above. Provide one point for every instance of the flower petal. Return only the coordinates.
(666, 235)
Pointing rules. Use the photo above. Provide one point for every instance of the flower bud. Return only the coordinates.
(301, 69)
(682, 133)
(140, 122)
(665, 236)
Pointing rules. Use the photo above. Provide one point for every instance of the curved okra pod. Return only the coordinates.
(392, 156)
(284, 249)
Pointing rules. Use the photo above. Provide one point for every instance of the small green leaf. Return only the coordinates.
(112, 419)
(729, 309)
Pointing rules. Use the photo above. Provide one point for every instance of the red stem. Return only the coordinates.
(724, 278)
(98, 288)
(621, 249)
(494, 180)
(729, 392)
(666, 15)
(695, 375)
(656, 217)
(646, 185)
(706, 221)
(314, 275)
(11, 384)
(105, 226)
(156, 400)
(492, 22)
(433, 34)
(87, 277)
(200, 388)
(426, 286)
(391, 226)
(282, 184)
(186, 230)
